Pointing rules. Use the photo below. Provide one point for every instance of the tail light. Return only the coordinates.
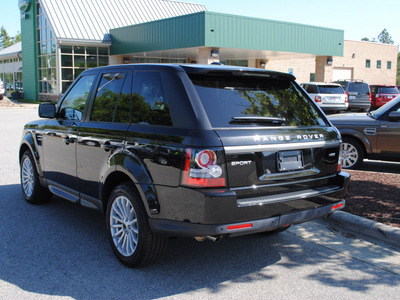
(339, 165)
(346, 99)
(203, 168)
(318, 99)
(369, 97)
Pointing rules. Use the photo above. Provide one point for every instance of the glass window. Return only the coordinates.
(389, 65)
(149, 103)
(107, 96)
(74, 103)
(79, 50)
(66, 60)
(91, 50)
(66, 49)
(67, 74)
(103, 61)
(103, 51)
(378, 64)
(368, 63)
(226, 97)
(331, 89)
(123, 111)
(79, 61)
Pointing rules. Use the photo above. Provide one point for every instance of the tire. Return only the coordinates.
(352, 153)
(128, 229)
(33, 191)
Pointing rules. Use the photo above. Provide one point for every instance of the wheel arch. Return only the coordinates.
(364, 142)
(28, 143)
(130, 169)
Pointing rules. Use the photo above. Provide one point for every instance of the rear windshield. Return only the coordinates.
(359, 87)
(330, 89)
(228, 97)
(388, 90)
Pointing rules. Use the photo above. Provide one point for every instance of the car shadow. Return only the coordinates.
(60, 249)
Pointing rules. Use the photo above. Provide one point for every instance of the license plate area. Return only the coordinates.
(290, 161)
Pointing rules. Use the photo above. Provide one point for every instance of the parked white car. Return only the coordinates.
(1, 89)
(331, 97)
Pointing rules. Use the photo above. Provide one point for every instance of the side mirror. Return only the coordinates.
(394, 116)
(47, 110)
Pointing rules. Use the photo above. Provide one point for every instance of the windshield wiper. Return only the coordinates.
(257, 120)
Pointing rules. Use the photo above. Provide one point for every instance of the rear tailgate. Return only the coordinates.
(284, 156)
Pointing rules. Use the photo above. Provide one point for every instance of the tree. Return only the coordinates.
(5, 39)
(385, 38)
(365, 39)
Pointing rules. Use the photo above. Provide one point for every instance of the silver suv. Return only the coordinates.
(359, 94)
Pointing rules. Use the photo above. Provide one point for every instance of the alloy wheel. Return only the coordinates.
(124, 225)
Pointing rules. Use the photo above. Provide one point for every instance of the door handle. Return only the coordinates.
(107, 146)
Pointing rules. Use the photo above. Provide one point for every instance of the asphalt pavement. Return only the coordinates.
(61, 251)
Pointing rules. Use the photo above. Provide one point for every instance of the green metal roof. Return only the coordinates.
(209, 29)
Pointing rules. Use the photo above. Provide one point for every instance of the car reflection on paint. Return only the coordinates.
(160, 155)
(373, 135)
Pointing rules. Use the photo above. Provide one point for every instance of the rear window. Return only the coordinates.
(359, 87)
(330, 89)
(388, 90)
(228, 97)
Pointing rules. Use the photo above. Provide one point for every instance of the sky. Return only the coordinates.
(358, 18)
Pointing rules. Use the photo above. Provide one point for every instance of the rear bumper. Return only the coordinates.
(224, 212)
(359, 106)
(184, 229)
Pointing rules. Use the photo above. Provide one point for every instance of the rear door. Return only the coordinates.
(103, 134)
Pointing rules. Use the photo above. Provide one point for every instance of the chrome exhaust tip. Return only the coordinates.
(208, 237)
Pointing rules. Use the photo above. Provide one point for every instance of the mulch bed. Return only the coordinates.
(375, 195)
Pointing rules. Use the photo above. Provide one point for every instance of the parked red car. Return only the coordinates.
(382, 94)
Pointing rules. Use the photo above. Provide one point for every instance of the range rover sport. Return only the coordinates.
(184, 151)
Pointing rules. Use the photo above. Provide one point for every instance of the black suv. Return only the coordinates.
(184, 151)
(358, 93)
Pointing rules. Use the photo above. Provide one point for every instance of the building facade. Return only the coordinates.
(11, 68)
(60, 39)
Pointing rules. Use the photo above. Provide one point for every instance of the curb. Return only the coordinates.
(385, 233)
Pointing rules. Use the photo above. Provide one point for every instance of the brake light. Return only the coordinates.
(340, 205)
(346, 99)
(318, 99)
(201, 169)
(339, 165)
(239, 226)
(369, 97)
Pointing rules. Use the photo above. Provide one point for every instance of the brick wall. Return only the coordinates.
(373, 52)
(302, 67)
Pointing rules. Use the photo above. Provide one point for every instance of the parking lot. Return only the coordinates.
(61, 251)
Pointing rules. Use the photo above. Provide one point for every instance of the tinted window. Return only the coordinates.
(311, 89)
(74, 102)
(330, 89)
(238, 96)
(359, 87)
(149, 102)
(107, 96)
(388, 90)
